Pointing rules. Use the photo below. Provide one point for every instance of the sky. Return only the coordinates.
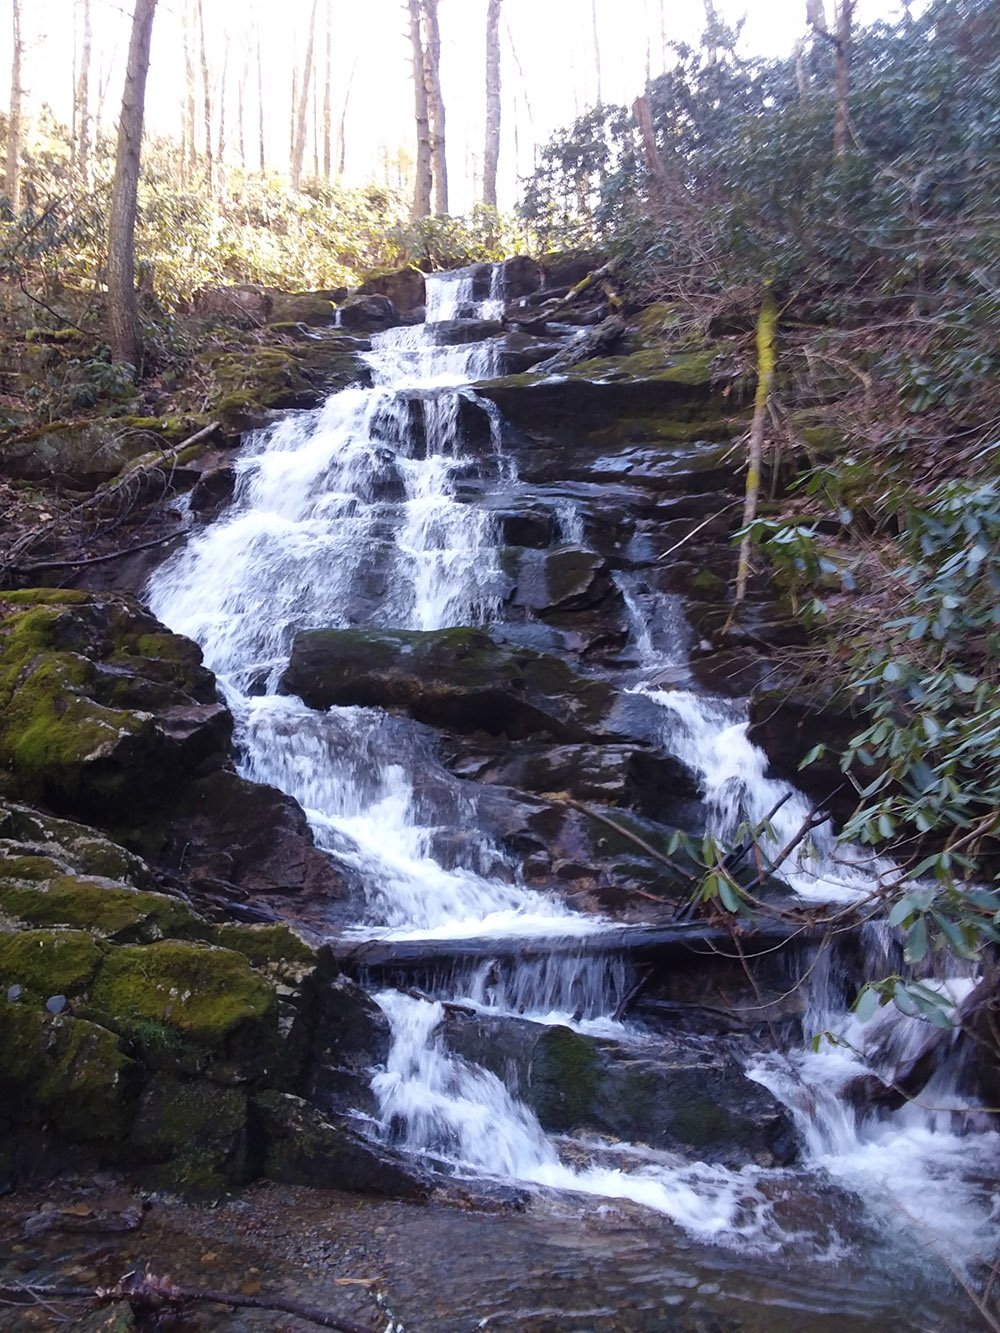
(548, 69)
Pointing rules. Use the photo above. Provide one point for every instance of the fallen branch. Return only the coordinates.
(648, 848)
(96, 559)
(149, 1293)
(694, 531)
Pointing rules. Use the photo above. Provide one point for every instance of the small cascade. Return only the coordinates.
(351, 516)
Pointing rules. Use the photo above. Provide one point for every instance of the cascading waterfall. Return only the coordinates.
(348, 516)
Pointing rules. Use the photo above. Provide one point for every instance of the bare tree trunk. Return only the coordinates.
(766, 325)
(206, 89)
(327, 95)
(647, 132)
(315, 128)
(816, 15)
(260, 102)
(83, 100)
(293, 113)
(597, 51)
(342, 125)
(424, 172)
(435, 105)
(123, 312)
(491, 155)
(299, 133)
(221, 153)
(241, 128)
(712, 32)
(190, 91)
(13, 182)
(845, 18)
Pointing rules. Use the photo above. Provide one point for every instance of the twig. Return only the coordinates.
(694, 531)
(96, 559)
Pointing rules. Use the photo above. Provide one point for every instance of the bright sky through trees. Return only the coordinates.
(547, 63)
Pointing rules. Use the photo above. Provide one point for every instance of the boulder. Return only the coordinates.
(367, 314)
(459, 679)
(519, 276)
(309, 308)
(561, 578)
(406, 289)
(243, 304)
(787, 726)
(683, 1094)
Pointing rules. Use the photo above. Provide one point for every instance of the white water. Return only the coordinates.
(348, 515)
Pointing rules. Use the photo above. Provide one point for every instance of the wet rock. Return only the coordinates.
(460, 679)
(787, 726)
(368, 314)
(684, 1094)
(213, 490)
(406, 288)
(351, 1037)
(561, 578)
(456, 332)
(605, 774)
(304, 1147)
(519, 276)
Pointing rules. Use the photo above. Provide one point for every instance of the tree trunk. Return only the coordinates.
(190, 93)
(711, 32)
(220, 155)
(845, 18)
(342, 124)
(241, 129)
(766, 325)
(491, 156)
(206, 89)
(597, 51)
(260, 102)
(123, 312)
(435, 105)
(424, 171)
(83, 100)
(299, 137)
(327, 96)
(816, 15)
(13, 183)
(647, 131)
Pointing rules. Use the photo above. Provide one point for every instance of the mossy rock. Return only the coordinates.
(301, 308)
(263, 377)
(49, 962)
(691, 368)
(68, 1072)
(194, 1131)
(81, 452)
(210, 998)
(108, 910)
(565, 1078)
(272, 948)
(60, 845)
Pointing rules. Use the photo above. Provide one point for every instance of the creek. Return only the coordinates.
(379, 510)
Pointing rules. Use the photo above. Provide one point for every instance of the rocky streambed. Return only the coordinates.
(390, 900)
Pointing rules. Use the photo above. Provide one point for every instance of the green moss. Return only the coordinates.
(46, 597)
(209, 995)
(197, 1129)
(658, 319)
(34, 869)
(265, 945)
(49, 962)
(692, 368)
(114, 912)
(68, 1073)
(565, 1078)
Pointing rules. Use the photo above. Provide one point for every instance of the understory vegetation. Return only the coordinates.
(726, 183)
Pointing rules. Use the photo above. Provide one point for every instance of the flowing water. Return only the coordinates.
(350, 516)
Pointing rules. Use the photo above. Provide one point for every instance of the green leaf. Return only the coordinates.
(731, 900)
(916, 941)
(866, 1004)
(815, 753)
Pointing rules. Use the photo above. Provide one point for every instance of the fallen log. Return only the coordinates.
(635, 942)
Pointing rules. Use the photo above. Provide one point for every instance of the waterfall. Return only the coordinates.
(349, 515)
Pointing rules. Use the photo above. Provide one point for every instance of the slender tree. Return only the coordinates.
(767, 322)
(435, 104)
(13, 182)
(260, 102)
(424, 170)
(845, 20)
(299, 131)
(597, 51)
(190, 90)
(342, 123)
(206, 95)
(328, 93)
(491, 155)
(82, 100)
(123, 310)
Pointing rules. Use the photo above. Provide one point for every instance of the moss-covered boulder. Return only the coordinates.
(101, 710)
(83, 453)
(190, 1136)
(406, 288)
(459, 679)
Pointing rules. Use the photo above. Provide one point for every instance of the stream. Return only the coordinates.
(347, 516)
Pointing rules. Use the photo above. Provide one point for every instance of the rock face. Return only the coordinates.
(368, 314)
(460, 679)
(689, 1095)
(405, 288)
